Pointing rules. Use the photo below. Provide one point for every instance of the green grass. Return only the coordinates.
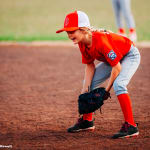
(32, 38)
(24, 20)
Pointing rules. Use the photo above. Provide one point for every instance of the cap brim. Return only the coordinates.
(67, 29)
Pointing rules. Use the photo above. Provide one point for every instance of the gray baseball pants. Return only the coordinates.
(129, 64)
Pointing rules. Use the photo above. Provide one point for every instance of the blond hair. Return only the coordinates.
(89, 30)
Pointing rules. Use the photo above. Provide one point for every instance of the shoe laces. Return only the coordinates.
(125, 127)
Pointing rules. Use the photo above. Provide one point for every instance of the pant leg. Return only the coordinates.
(129, 65)
(126, 11)
(117, 12)
(102, 73)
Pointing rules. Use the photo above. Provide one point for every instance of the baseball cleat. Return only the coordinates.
(126, 131)
(82, 125)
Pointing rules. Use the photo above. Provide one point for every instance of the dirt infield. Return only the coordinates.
(39, 86)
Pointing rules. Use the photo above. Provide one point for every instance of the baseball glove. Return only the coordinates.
(91, 101)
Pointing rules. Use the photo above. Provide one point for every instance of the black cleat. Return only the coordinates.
(82, 125)
(126, 131)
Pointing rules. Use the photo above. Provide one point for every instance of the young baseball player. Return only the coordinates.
(119, 60)
(123, 8)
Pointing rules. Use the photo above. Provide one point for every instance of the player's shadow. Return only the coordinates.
(63, 135)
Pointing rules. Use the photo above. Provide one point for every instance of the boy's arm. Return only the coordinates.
(88, 76)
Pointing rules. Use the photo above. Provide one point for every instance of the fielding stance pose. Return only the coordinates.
(119, 60)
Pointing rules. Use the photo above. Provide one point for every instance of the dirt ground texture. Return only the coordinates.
(39, 87)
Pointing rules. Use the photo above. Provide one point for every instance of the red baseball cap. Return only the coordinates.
(74, 21)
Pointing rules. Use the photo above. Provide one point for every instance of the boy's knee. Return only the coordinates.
(119, 87)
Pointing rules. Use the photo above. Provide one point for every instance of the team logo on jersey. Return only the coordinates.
(112, 55)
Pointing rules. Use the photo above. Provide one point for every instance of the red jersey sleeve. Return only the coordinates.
(111, 55)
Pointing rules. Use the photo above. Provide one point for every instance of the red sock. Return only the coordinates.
(126, 107)
(121, 30)
(87, 116)
(131, 30)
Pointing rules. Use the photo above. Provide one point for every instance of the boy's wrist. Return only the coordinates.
(84, 90)
(107, 88)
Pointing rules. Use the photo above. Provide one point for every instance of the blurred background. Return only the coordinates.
(38, 20)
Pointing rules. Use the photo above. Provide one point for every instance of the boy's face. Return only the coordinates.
(76, 36)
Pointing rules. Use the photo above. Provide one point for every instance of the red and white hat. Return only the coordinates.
(74, 21)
